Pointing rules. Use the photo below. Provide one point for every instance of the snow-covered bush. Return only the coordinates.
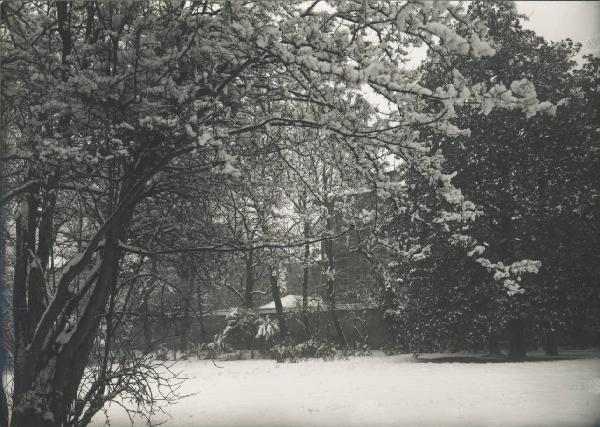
(313, 348)
(202, 351)
(325, 350)
(240, 329)
(235, 355)
(283, 352)
(162, 352)
(267, 330)
(359, 349)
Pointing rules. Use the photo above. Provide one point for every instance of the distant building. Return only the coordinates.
(293, 303)
(353, 276)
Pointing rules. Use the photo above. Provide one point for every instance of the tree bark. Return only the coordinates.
(145, 308)
(200, 313)
(249, 288)
(146, 324)
(29, 292)
(51, 375)
(184, 335)
(71, 362)
(283, 329)
(305, 282)
(21, 373)
(330, 275)
(3, 403)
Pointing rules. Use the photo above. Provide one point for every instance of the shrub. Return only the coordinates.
(282, 353)
(360, 350)
(236, 355)
(391, 349)
(240, 329)
(325, 349)
(162, 352)
(267, 330)
(204, 351)
(313, 348)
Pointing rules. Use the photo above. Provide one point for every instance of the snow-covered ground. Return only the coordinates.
(384, 391)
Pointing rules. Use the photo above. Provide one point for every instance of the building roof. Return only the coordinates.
(293, 301)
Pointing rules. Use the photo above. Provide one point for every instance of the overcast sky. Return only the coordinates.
(557, 20)
(553, 20)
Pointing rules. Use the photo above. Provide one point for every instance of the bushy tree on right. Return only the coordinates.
(535, 182)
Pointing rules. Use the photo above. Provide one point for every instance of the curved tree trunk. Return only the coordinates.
(51, 360)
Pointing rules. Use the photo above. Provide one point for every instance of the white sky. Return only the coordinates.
(553, 20)
(557, 20)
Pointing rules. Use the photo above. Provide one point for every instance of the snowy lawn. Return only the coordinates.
(384, 391)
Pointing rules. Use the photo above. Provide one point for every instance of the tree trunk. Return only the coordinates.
(147, 329)
(283, 330)
(49, 374)
(184, 335)
(330, 275)
(249, 289)
(3, 403)
(200, 313)
(22, 373)
(146, 325)
(305, 282)
(517, 349)
(71, 362)
(551, 343)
